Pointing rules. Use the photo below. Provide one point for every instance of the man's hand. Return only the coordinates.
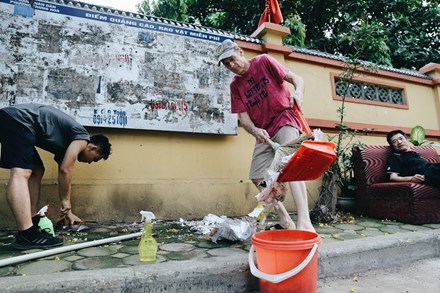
(73, 219)
(418, 178)
(298, 82)
(66, 212)
(296, 98)
(245, 121)
(261, 135)
(65, 207)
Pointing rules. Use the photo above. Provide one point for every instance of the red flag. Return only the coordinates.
(271, 13)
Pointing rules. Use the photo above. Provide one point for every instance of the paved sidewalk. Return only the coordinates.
(187, 262)
(418, 277)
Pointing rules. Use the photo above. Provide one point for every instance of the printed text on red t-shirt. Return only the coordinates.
(256, 92)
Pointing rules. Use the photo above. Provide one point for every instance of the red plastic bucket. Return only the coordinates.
(287, 260)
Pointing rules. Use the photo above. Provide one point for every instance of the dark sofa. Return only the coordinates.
(379, 198)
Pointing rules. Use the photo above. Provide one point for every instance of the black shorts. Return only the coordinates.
(17, 145)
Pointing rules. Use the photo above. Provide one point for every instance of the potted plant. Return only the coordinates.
(417, 136)
(338, 181)
(345, 181)
(344, 168)
(338, 189)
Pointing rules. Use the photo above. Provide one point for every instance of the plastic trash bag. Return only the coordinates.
(225, 228)
(272, 189)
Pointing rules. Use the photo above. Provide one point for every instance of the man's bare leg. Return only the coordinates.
(35, 187)
(285, 219)
(299, 193)
(18, 197)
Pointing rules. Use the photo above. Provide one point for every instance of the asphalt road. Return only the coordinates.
(419, 277)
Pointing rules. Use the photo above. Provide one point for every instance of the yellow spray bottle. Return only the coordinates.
(147, 245)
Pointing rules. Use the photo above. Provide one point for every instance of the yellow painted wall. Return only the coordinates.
(318, 102)
(174, 175)
(183, 175)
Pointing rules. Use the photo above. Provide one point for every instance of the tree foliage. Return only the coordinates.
(403, 33)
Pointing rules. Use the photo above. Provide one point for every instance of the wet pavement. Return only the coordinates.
(176, 242)
(179, 245)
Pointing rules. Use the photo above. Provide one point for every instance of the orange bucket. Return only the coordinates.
(287, 260)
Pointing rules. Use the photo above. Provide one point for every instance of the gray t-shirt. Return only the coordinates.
(54, 130)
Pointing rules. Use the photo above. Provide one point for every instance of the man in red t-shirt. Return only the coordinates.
(262, 99)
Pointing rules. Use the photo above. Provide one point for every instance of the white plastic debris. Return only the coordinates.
(318, 134)
(272, 190)
(257, 211)
(269, 182)
(225, 228)
(286, 159)
(233, 229)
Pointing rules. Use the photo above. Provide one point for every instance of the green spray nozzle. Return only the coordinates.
(147, 216)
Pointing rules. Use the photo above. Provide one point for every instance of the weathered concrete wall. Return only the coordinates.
(109, 70)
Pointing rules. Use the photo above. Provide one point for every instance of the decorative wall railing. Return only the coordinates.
(366, 91)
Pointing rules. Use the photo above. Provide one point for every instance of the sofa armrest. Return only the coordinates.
(369, 164)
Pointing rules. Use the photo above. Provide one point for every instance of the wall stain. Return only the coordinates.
(95, 71)
(67, 85)
(49, 37)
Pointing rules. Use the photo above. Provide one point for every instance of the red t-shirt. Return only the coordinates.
(264, 95)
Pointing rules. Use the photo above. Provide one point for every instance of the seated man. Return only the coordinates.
(405, 165)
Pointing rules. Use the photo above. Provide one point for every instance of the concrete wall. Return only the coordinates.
(187, 175)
